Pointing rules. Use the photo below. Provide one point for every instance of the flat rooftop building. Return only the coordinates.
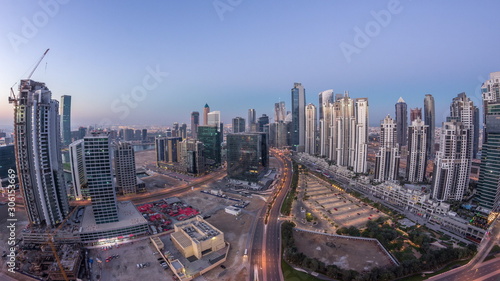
(130, 223)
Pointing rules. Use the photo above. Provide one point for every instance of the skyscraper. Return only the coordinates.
(39, 162)
(76, 158)
(452, 165)
(387, 158)
(247, 156)
(417, 154)
(298, 117)
(279, 111)
(192, 159)
(488, 186)
(415, 113)
(401, 122)
(263, 120)
(206, 110)
(195, 122)
(344, 134)
(183, 131)
(361, 135)
(430, 120)
(66, 119)
(325, 121)
(211, 139)
(310, 144)
(168, 149)
(99, 177)
(214, 119)
(251, 119)
(238, 125)
(126, 179)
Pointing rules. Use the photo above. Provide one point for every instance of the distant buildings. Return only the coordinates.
(298, 117)
(430, 120)
(401, 122)
(7, 160)
(262, 121)
(247, 156)
(415, 113)
(66, 119)
(168, 149)
(417, 151)
(488, 187)
(252, 120)
(238, 125)
(279, 111)
(39, 161)
(387, 158)
(310, 142)
(192, 159)
(126, 179)
(206, 110)
(195, 122)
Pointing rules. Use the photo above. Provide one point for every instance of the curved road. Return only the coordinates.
(265, 258)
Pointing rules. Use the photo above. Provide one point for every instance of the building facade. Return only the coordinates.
(310, 143)
(126, 179)
(99, 177)
(415, 113)
(238, 125)
(192, 159)
(195, 122)
(206, 110)
(298, 117)
(252, 119)
(488, 186)
(247, 156)
(430, 120)
(402, 122)
(211, 139)
(76, 158)
(388, 156)
(39, 161)
(417, 153)
(66, 119)
(325, 121)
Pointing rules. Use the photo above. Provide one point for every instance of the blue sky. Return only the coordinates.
(241, 54)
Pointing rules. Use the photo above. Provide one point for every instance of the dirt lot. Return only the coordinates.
(235, 230)
(344, 252)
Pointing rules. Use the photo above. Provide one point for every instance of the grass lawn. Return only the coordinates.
(291, 274)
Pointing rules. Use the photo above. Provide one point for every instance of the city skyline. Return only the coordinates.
(232, 55)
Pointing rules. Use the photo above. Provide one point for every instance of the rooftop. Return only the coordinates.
(128, 215)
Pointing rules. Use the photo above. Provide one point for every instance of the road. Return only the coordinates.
(265, 259)
(476, 269)
(160, 194)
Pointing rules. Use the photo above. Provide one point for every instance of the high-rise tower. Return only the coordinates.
(430, 120)
(99, 176)
(310, 144)
(387, 158)
(238, 125)
(126, 179)
(38, 154)
(402, 122)
(66, 119)
(279, 111)
(206, 110)
(325, 121)
(298, 117)
(417, 154)
(252, 119)
(195, 122)
(361, 134)
(415, 113)
(488, 186)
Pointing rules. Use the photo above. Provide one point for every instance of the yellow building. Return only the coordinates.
(196, 237)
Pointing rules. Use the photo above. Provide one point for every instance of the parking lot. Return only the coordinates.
(332, 207)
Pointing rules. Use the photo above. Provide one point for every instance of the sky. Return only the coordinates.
(154, 62)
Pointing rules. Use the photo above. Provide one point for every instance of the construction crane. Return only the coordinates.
(13, 97)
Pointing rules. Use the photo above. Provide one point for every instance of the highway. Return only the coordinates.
(265, 259)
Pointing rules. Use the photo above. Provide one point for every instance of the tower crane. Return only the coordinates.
(13, 97)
